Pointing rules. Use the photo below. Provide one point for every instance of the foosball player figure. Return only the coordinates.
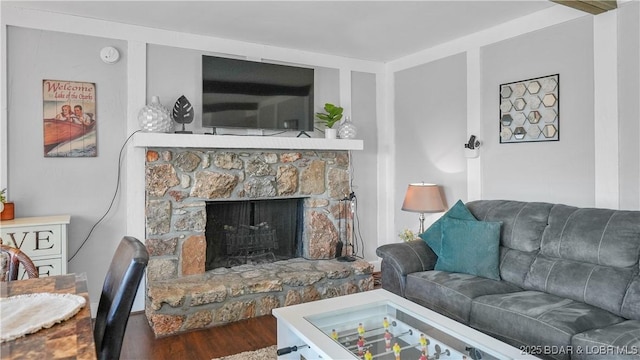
(368, 355)
(423, 343)
(360, 329)
(360, 345)
(385, 323)
(396, 351)
(387, 340)
(423, 356)
(334, 334)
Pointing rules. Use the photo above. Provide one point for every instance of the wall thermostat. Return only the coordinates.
(109, 54)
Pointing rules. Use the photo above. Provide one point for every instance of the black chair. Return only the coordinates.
(118, 292)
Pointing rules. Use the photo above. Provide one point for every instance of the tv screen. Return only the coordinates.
(256, 95)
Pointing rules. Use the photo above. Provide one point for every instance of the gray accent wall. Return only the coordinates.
(430, 132)
(173, 72)
(364, 163)
(555, 171)
(629, 104)
(80, 187)
(563, 171)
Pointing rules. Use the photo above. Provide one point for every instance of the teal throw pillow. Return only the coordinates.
(471, 247)
(433, 235)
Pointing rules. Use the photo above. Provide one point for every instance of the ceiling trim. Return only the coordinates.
(43, 20)
(593, 7)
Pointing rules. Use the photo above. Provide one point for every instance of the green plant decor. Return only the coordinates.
(3, 197)
(333, 115)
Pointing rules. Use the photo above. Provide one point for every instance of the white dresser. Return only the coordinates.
(44, 239)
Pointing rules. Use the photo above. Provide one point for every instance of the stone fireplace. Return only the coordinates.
(183, 293)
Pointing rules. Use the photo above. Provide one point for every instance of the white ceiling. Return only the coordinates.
(369, 30)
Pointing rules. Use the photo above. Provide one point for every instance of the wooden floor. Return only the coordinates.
(245, 335)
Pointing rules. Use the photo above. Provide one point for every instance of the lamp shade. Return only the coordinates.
(423, 198)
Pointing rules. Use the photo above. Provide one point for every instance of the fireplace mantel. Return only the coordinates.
(243, 142)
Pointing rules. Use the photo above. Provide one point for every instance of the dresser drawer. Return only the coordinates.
(43, 239)
(46, 267)
(35, 240)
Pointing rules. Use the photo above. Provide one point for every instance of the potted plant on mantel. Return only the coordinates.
(6, 207)
(331, 117)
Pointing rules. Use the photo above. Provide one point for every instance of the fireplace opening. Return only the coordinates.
(253, 231)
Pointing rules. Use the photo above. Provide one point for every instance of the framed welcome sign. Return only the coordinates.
(69, 120)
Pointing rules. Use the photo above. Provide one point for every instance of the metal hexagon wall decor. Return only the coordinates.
(530, 110)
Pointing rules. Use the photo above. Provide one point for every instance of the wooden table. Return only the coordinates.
(70, 339)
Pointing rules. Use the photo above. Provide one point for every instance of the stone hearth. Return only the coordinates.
(225, 295)
(181, 295)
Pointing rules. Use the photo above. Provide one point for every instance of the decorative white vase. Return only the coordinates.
(330, 133)
(347, 130)
(155, 117)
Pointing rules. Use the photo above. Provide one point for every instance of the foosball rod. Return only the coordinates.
(410, 332)
(446, 352)
(393, 323)
(391, 351)
(368, 342)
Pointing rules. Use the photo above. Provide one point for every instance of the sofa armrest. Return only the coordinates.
(401, 259)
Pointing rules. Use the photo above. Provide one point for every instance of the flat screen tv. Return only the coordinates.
(256, 95)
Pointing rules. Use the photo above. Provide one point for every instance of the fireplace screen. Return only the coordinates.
(253, 231)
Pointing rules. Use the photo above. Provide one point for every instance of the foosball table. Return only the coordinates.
(383, 326)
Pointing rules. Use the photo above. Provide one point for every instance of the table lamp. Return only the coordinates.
(423, 198)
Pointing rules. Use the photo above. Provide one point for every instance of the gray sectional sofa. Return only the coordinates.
(569, 288)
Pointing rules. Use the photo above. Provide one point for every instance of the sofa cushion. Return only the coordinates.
(523, 224)
(536, 319)
(588, 255)
(514, 265)
(618, 341)
(433, 235)
(451, 293)
(600, 286)
(470, 247)
(597, 236)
